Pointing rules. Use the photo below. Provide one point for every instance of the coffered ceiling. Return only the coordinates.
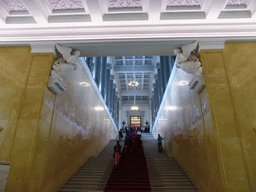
(23, 21)
(138, 68)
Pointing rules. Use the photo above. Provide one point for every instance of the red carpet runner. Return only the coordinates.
(131, 175)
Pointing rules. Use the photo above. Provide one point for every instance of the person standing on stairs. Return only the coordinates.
(120, 135)
(159, 141)
(117, 153)
(139, 133)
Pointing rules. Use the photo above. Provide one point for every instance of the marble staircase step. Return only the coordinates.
(93, 175)
(177, 187)
(91, 171)
(165, 173)
(82, 182)
(159, 189)
(85, 185)
(87, 189)
(174, 183)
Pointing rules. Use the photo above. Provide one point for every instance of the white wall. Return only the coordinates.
(144, 112)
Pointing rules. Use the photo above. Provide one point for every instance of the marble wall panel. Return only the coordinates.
(182, 123)
(46, 138)
(28, 120)
(77, 130)
(240, 65)
(14, 69)
(230, 149)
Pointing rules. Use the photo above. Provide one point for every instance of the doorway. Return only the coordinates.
(135, 121)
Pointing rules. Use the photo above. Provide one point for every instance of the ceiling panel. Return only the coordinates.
(141, 75)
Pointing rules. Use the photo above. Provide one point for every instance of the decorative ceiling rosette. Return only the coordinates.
(177, 3)
(14, 5)
(65, 4)
(124, 3)
(238, 2)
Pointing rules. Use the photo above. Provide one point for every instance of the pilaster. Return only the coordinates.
(32, 73)
(230, 155)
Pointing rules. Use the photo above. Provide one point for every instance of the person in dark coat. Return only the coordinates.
(120, 135)
(117, 153)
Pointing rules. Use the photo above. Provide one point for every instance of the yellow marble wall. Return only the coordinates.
(212, 134)
(182, 122)
(15, 63)
(46, 138)
(76, 133)
(240, 66)
(225, 124)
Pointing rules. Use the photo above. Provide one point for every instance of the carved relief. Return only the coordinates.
(238, 2)
(185, 3)
(14, 5)
(65, 4)
(124, 3)
(190, 63)
(186, 61)
(61, 67)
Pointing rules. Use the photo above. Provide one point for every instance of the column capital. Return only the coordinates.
(211, 44)
(112, 77)
(108, 66)
(43, 48)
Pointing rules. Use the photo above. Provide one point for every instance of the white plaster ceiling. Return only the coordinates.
(24, 21)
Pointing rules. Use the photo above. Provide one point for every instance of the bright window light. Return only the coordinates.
(182, 83)
(99, 108)
(85, 84)
(171, 108)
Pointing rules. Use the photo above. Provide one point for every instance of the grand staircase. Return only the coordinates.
(94, 174)
(164, 173)
(130, 175)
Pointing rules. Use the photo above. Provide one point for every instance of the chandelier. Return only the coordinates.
(133, 83)
(134, 107)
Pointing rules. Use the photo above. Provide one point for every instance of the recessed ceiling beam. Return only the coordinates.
(3, 13)
(36, 11)
(125, 17)
(136, 68)
(95, 10)
(137, 93)
(130, 103)
(252, 7)
(154, 10)
(213, 8)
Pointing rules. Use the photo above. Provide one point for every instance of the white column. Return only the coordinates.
(120, 114)
(150, 114)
